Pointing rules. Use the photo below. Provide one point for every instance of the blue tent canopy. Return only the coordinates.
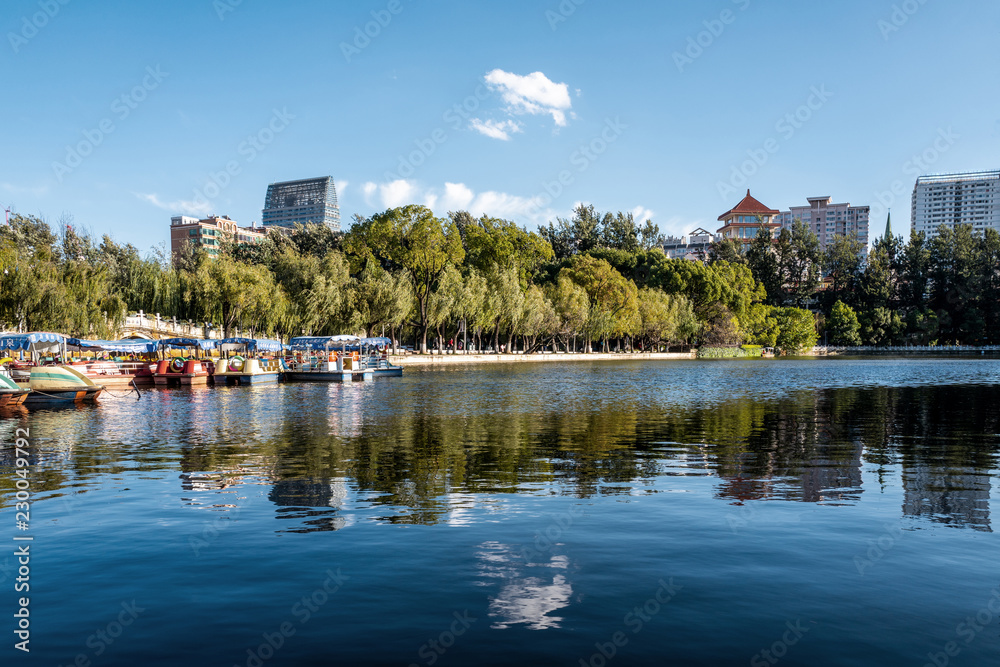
(186, 342)
(251, 344)
(36, 341)
(129, 345)
(322, 342)
(378, 341)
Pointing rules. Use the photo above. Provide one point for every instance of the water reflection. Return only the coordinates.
(334, 454)
(529, 593)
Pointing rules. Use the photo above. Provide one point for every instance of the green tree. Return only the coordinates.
(413, 239)
(842, 326)
(796, 329)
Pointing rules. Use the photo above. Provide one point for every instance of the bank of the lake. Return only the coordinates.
(460, 358)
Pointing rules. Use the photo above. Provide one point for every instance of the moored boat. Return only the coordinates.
(173, 371)
(338, 359)
(11, 394)
(50, 382)
(135, 369)
(247, 366)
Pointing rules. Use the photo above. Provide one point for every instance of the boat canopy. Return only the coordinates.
(249, 344)
(36, 341)
(378, 341)
(187, 342)
(321, 342)
(127, 345)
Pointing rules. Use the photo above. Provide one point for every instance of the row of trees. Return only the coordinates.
(942, 290)
(595, 279)
(403, 272)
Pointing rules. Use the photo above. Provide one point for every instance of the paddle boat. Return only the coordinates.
(375, 351)
(246, 366)
(116, 371)
(174, 371)
(11, 394)
(324, 359)
(50, 382)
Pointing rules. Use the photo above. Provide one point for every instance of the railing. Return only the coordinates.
(172, 326)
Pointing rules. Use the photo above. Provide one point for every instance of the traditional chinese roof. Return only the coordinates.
(749, 206)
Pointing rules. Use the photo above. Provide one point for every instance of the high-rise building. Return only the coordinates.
(743, 221)
(311, 200)
(952, 199)
(209, 233)
(827, 219)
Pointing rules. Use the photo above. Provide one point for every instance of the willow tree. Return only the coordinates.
(412, 239)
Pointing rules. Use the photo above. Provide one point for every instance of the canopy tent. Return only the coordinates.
(346, 343)
(186, 342)
(36, 342)
(377, 341)
(251, 345)
(322, 342)
(128, 345)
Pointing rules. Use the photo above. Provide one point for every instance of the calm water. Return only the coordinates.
(834, 512)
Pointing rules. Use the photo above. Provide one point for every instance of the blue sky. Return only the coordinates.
(122, 114)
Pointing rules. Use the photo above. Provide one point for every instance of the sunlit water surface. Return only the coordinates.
(834, 512)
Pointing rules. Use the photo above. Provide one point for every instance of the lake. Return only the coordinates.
(759, 512)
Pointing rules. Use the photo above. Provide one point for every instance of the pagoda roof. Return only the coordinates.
(749, 206)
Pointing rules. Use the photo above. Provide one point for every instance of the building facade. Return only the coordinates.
(209, 233)
(743, 221)
(693, 246)
(971, 198)
(827, 219)
(311, 200)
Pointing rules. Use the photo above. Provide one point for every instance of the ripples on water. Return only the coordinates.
(551, 503)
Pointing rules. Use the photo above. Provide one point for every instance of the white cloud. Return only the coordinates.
(495, 129)
(203, 208)
(641, 214)
(532, 94)
(457, 196)
(460, 197)
(341, 187)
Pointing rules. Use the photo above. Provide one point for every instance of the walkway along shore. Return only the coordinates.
(459, 358)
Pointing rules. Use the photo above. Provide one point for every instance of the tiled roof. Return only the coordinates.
(749, 206)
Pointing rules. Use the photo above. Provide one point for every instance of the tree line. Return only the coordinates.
(594, 281)
(939, 291)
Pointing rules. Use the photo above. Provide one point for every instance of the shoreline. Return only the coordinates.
(447, 359)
